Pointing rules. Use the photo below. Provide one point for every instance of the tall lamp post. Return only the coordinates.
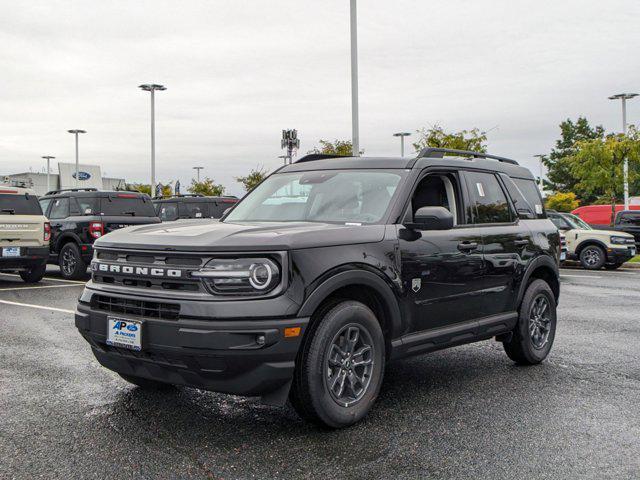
(624, 97)
(48, 158)
(76, 132)
(401, 135)
(152, 87)
(355, 128)
(540, 157)
(197, 169)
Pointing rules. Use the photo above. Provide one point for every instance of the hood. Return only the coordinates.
(598, 232)
(211, 236)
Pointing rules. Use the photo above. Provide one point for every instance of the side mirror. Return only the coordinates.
(431, 218)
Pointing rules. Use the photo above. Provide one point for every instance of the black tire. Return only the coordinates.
(612, 266)
(72, 266)
(592, 257)
(147, 384)
(525, 347)
(35, 274)
(320, 364)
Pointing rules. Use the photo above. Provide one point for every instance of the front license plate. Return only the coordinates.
(11, 252)
(633, 251)
(125, 333)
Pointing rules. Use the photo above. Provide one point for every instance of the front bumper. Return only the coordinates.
(29, 257)
(620, 254)
(218, 355)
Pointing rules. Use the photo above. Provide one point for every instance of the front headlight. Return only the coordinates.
(240, 276)
(620, 240)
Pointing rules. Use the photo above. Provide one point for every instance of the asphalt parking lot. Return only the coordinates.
(467, 412)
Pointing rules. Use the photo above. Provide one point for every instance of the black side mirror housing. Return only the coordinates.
(431, 218)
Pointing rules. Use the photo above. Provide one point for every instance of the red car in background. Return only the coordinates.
(599, 216)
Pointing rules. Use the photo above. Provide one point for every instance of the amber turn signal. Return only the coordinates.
(291, 332)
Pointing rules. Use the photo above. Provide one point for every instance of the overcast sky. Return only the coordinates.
(238, 72)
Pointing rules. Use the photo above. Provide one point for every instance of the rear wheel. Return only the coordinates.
(592, 257)
(340, 368)
(612, 266)
(72, 266)
(145, 383)
(533, 336)
(35, 274)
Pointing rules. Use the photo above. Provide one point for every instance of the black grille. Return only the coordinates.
(140, 308)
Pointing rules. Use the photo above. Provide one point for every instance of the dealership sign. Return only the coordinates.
(82, 176)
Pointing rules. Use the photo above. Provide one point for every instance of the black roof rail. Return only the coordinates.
(431, 152)
(173, 195)
(319, 156)
(88, 189)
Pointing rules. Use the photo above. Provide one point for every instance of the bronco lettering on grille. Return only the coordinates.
(134, 270)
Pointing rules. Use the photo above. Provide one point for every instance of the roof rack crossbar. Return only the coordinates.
(441, 152)
(88, 189)
(318, 156)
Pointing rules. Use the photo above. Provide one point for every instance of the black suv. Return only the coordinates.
(80, 216)
(324, 272)
(176, 207)
(629, 221)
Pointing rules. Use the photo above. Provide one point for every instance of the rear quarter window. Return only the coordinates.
(528, 190)
(11, 204)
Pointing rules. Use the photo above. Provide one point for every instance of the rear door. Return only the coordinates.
(507, 243)
(58, 212)
(21, 220)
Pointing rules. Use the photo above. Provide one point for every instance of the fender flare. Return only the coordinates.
(357, 277)
(62, 239)
(541, 261)
(591, 241)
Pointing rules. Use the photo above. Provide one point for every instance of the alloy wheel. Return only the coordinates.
(591, 256)
(68, 262)
(540, 321)
(349, 365)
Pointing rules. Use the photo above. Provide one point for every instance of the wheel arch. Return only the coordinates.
(544, 268)
(589, 242)
(64, 239)
(363, 286)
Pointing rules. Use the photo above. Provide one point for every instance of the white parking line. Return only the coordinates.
(563, 275)
(7, 302)
(46, 278)
(40, 286)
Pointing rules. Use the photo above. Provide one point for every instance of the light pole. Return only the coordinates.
(284, 158)
(401, 135)
(48, 158)
(625, 171)
(152, 87)
(198, 170)
(290, 141)
(355, 129)
(76, 132)
(540, 157)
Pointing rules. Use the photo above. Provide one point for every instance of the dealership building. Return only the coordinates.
(89, 176)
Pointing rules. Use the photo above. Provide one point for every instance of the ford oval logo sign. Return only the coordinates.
(82, 175)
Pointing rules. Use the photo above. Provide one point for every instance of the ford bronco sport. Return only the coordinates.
(79, 216)
(24, 234)
(324, 272)
(593, 248)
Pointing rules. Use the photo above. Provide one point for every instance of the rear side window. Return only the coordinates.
(194, 209)
(489, 203)
(59, 208)
(19, 205)
(127, 204)
(167, 211)
(88, 205)
(529, 190)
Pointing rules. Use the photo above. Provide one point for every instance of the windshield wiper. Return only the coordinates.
(10, 211)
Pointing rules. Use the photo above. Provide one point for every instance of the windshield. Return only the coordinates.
(629, 219)
(19, 205)
(333, 196)
(576, 222)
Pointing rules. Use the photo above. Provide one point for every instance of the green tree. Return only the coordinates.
(598, 164)
(255, 176)
(560, 177)
(206, 187)
(146, 188)
(337, 147)
(435, 136)
(562, 202)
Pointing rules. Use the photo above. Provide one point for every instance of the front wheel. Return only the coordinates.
(533, 335)
(72, 266)
(35, 274)
(592, 257)
(340, 367)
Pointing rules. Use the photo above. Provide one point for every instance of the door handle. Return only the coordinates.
(467, 246)
(523, 241)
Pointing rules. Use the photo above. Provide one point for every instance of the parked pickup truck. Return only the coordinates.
(628, 221)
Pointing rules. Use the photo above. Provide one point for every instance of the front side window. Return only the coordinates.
(488, 201)
(576, 222)
(333, 196)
